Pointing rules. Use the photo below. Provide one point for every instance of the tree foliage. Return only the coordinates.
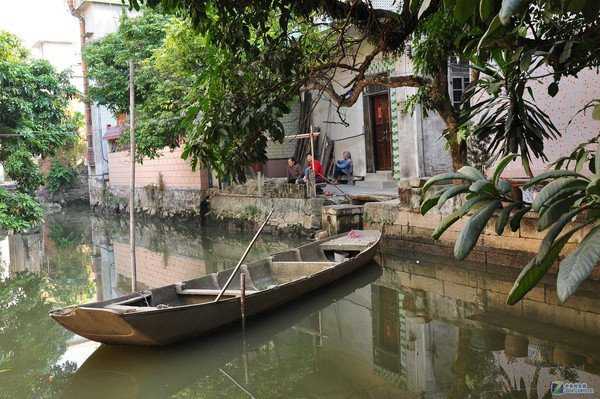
(108, 60)
(221, 105)
(35, 122)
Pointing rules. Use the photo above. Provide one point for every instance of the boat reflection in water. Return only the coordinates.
(207, 363)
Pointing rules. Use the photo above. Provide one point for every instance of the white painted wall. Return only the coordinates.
(347, 138)
(101, 18)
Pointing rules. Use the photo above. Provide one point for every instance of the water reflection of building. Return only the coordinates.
(23, 252)
(436, 330)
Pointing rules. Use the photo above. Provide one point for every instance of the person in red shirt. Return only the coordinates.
(319, 178)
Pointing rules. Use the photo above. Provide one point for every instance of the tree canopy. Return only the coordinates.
(219, 103)
(35, 121)
(510, 44)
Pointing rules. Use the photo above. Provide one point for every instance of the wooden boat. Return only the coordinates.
(188, 309)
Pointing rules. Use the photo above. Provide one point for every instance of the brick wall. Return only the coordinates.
(155, 269)
(169, 167)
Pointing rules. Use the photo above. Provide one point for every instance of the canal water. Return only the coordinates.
(408, 326)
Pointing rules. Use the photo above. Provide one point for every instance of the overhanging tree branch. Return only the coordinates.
(350, 97)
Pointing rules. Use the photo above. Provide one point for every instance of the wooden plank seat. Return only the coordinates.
(192, 291)
(130, 309)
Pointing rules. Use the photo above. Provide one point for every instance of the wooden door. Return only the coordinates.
(382, 137)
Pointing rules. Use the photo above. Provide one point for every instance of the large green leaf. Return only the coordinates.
(452, 192)
(510, 8)
(556, 187)
(553, 212)
(444, 177)
(424, 7)
(596, 112)
(446, 222)
(454, 216)
(593, 187)
(556, 229)
(502, 164)
(464, 9)
(552, 174)
(576, 267)
(503, 186)
(483, 187)
(473, 228)
(487, 8)
(429, 202)
(515, 222)
(503, 217)
(472, 173)
(533, 272)
(492, 28)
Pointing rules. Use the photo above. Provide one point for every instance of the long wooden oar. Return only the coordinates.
(239, 264)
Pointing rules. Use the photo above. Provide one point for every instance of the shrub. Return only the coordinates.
(18, 211)
(60, 177)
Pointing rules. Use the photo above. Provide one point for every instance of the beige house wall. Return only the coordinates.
(573, 95)
(168, 171)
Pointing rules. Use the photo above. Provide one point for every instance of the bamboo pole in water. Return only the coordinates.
(237, 267)
(313, 175)
(243, 298)
(132, 182)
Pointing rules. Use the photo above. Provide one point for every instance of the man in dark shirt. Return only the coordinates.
(294, 172)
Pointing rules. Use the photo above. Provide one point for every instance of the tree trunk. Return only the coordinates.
(86, 84)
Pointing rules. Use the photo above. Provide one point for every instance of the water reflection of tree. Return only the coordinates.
(69, 264)
(275, 370)
(479, 375)
(30, 342)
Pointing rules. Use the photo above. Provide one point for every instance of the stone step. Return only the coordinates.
(377, 184)
(380, 175)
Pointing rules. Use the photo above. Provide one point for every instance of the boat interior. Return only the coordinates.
(280, 268)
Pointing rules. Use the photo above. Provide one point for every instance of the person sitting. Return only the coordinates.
(294, 172)
(319, 178)
(343, 167)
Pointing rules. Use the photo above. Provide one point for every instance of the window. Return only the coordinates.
(459, 79)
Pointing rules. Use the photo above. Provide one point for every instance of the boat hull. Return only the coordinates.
(173, 324)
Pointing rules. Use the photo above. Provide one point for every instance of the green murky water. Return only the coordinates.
(418, 327)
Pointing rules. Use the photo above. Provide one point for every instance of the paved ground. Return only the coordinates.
(360, 191)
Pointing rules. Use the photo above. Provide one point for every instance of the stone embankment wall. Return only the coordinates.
(250, 203)
(400, 219)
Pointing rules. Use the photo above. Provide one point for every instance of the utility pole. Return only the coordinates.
(132, 181)
(87, 106)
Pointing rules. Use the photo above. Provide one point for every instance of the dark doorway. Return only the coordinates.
(382, 138)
